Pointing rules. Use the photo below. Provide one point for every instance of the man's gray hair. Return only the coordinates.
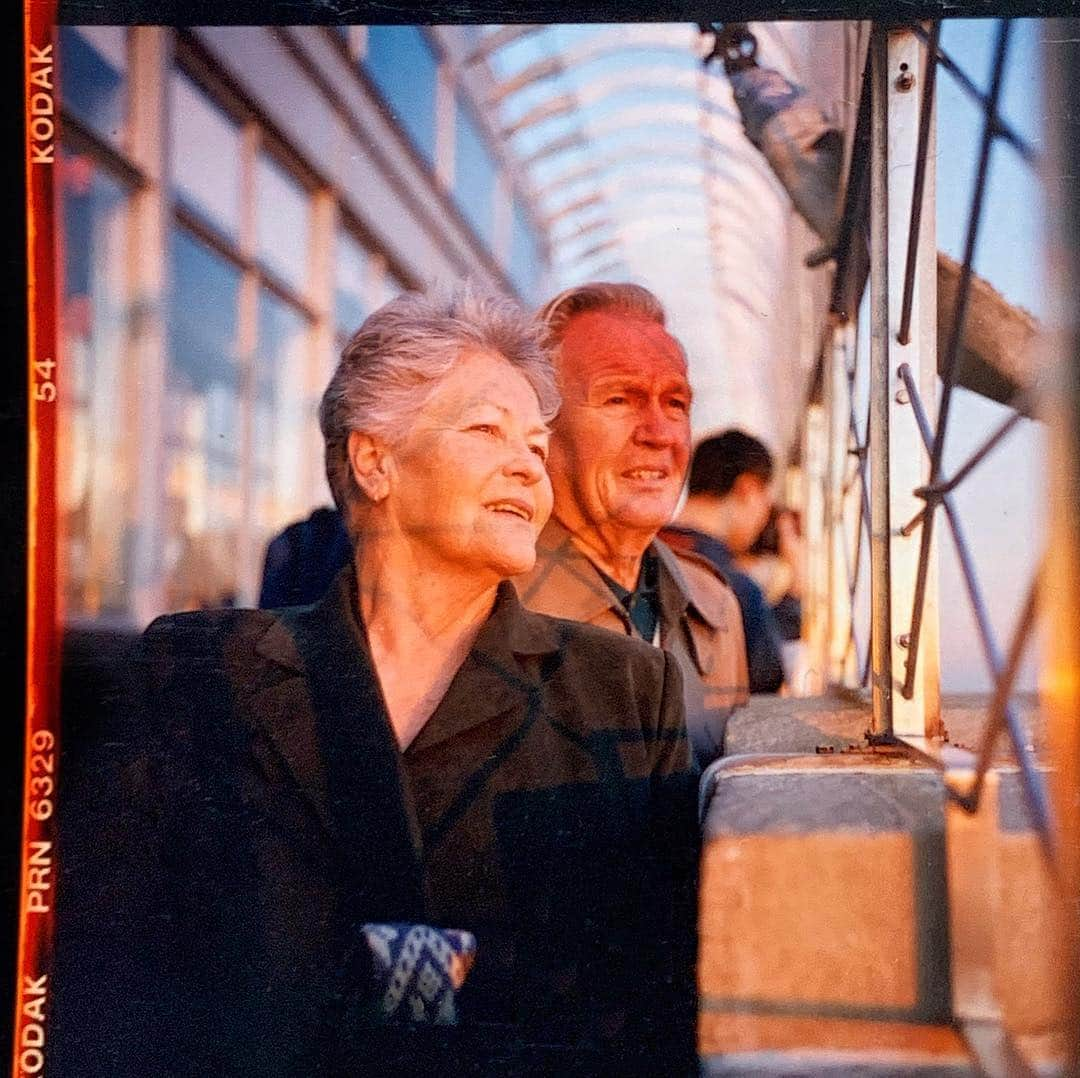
(396, 359)
(614, 298)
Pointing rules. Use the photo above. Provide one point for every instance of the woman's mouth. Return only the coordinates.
(512, 506)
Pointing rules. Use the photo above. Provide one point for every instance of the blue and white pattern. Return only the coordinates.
(421, 967)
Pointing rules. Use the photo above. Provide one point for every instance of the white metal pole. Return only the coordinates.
(816, 600)
(920, 715)
(897, 459)
(838, 408)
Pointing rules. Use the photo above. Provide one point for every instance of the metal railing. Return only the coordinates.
(900, 408)
(886, 484)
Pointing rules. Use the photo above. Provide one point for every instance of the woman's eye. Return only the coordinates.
(540, 451)
(485, 428)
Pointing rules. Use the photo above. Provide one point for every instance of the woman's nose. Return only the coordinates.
(526, 463)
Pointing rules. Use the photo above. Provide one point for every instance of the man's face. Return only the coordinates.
(620, 446)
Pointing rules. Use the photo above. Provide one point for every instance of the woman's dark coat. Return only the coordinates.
(252, 809)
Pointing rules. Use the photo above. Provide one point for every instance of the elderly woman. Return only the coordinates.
(416, 747)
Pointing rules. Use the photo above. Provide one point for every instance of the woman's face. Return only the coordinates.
(469, 487)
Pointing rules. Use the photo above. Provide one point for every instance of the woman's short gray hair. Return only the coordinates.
(396, 359)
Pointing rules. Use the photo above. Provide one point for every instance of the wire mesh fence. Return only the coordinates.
(935, 420)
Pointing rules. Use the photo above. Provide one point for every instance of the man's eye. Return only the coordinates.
(485, 428)
(616, 398)
(680, 404)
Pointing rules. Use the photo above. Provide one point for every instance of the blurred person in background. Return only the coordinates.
(728, 504)
(775, 562)
(414, 749)
(620, 446)
(303, 559)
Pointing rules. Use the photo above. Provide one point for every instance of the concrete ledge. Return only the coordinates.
(838, 720)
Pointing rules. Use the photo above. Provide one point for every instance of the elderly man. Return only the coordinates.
(620, 448)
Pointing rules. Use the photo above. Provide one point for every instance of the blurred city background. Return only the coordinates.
(237, 200)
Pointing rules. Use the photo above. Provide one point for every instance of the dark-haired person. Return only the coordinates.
(728, 505)
(416, 747)
(303, 559)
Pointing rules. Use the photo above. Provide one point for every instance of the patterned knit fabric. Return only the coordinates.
(421, 968)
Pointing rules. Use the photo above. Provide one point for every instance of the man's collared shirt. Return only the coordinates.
(643, 603)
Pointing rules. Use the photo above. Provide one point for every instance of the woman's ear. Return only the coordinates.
(369, 461)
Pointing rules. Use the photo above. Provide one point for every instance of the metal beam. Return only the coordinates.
(911, 159)
(897, 460)
(881, 678)
(838, 411)
(815, 451)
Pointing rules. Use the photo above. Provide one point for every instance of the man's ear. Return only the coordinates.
(746, 485)
(369, 461)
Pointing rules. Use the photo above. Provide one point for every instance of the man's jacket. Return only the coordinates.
(763, 639)
(700, 624)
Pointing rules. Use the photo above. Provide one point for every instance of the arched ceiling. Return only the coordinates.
(640, 168)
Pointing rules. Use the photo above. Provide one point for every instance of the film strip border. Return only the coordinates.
(38, 873)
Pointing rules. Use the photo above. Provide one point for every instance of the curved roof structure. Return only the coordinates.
(641, 170)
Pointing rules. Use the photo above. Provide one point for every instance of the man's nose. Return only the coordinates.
(656, 427)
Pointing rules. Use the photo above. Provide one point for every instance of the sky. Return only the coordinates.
(1002, 503)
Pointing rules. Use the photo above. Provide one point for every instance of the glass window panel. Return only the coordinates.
(474, 175)
(204, 150)
(93, 72)
(282, 215)
(403, 67)
(349, 275)
(96, 394)
(202, 428)
(387, 287)
(524, 265)
(284, 434)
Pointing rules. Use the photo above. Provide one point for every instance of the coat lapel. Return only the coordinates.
(283, 710)
(707, 604)
(692, 612)
(488, 710)
(565, 583)
(492, 682)
(329, 723)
